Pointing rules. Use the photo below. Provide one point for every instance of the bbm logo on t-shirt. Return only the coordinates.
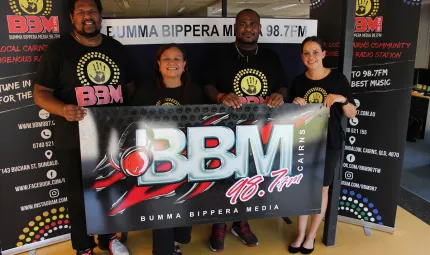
(99, 78)
(315, 95)
(250, 82)
(97, 68)
(167, 102)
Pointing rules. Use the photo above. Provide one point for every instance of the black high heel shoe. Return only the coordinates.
(303, 250)
(294, 250)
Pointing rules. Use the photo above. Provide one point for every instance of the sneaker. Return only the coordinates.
(217, 238)
(177, 250)
(243, 231)
(117, 248)
(86, 252)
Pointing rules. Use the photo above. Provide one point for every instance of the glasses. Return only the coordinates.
(313, 53)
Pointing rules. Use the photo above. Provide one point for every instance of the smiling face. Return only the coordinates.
(247, 27)
(171, 63)
(86, 18)
(313, 55)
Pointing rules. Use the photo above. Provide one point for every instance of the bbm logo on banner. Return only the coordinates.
(366, 7)
(366, 20)
(32, 16)
(31, 7)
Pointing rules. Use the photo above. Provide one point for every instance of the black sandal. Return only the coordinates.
(303, 250)
(294, 250)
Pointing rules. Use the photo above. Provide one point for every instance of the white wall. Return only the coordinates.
(423, 45)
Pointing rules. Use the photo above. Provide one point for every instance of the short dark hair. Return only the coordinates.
(314, 39)
(73, 2)
(247, 10)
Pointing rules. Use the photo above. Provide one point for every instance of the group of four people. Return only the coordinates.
(67, 70)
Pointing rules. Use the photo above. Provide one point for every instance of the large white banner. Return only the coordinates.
(203, 30)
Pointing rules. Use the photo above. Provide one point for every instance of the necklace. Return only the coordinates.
(240, 53)
(87, 44)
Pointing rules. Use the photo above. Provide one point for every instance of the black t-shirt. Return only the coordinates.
(153, 95)
(251, 75)
(84, 76)
(316, 91)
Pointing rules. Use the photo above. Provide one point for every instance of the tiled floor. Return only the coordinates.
(410, 237)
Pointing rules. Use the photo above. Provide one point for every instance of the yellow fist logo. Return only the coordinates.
(315, 95)
(250, 82)
(251, 85)
(31, 7)
(98, 72)
(366, 7)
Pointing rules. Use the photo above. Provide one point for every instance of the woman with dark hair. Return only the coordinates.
(172, 87)
(172, 80)
(331, 88)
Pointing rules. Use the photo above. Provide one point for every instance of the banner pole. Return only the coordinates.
(345, 66)
(224, 8)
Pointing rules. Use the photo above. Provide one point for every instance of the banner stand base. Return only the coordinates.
(33, 247)
(366, 224)
(367, 231)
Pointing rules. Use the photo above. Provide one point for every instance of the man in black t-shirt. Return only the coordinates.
(83, 69)
(244, 73)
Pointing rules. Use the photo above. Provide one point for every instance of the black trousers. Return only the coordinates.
(70, 163)
(163, 239)
(235, 223)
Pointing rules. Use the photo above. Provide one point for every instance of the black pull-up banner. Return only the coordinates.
(382, 73)
(32, 190)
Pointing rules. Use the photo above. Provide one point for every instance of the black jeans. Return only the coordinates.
(163, 239)
(70, 164)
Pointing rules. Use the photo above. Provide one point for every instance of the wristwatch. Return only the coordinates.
(346, 102)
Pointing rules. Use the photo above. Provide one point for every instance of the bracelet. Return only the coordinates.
(346, 102)
(218, 98)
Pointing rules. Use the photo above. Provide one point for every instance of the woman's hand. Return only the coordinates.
(333, 98)
(300, 101)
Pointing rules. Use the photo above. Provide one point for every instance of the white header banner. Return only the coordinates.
(203, 30)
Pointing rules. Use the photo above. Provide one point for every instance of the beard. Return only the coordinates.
(247, 42)
(88, 35)
(83, 33)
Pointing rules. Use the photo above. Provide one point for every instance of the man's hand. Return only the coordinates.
(333, 98)
(74, 113)
(300, 101)
(231, 100)
(275, 100)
